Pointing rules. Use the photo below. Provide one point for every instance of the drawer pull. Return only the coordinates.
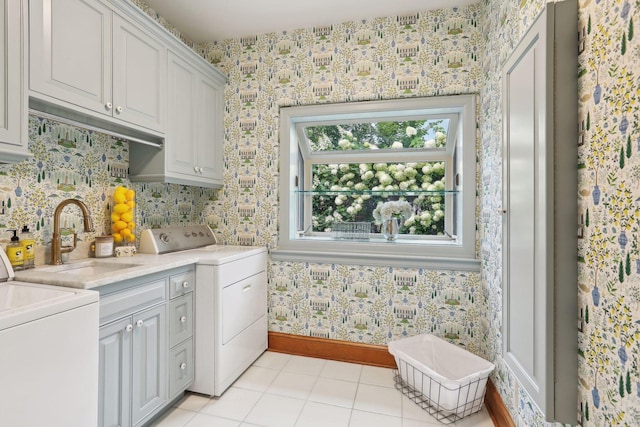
(185, 284)
(139, 323)
(183, 366)
(129, 328)
(183, 319)
(246, 288)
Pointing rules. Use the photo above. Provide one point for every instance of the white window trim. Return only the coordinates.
(438, 254)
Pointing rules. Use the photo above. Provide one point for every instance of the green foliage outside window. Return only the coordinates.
(352, 184)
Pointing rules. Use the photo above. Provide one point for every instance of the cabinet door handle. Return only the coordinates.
(195, 169)
(246, 289)
(129, 327)
(201, 170)
(183, 366)
(140, 323)
(183, 319)
(109, 106)
(118, 109)
(185, 284)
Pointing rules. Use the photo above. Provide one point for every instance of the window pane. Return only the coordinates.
(351, 192)
(410, 134)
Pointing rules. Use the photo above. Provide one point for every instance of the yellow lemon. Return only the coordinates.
(130, 194)
(117, 237)
(127, 217)
(120, 208)
(131, 237)
(131, 204)
(115, 217)
(120, 188)
(119, 197)
(131, 225)
(125, 232)
(119, 225)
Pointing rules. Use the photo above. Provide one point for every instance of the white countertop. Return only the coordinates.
(144, 264)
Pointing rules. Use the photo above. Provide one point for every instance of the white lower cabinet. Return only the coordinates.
(146, 348)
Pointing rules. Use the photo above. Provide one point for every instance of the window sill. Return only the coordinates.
(356, 255)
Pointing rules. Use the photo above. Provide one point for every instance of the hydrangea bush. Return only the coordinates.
(349, 185)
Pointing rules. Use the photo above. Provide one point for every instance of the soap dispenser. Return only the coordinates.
(15, 251)
(28, 243)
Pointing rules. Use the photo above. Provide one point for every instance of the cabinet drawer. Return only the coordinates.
(180, 319)
(234, 271)
(180, 368)
(181, 284)
(124, 303)
(242, 304)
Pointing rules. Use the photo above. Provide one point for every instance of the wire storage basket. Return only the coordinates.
(445, 404)
(443, 379)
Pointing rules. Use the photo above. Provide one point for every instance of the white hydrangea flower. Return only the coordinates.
(397, 145)
(411, 131)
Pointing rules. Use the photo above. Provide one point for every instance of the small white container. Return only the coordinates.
(103, 246)
(446, 379)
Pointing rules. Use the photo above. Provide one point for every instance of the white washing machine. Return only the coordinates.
(230, 303)
(49, 356)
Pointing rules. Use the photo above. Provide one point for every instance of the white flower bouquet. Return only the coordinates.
(393, 209)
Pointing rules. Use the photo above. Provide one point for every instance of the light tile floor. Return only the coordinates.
(281, 390)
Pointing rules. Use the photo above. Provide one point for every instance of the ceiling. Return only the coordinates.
(216, 20)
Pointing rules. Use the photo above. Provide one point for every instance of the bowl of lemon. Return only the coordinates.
(122, 215)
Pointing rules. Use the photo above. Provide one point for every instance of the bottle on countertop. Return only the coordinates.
(28, 243)
(15, 251)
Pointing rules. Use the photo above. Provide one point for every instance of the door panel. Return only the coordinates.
(149, 385)
(70, 51)
(139, 80)
(114, 374)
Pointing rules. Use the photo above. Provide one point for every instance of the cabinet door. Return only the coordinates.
(139, 76)
(180, 319)
(181, 126)
(149, 385)
(210, 134)
(13, 146)
(181, 369)
(114, 373)
(70, 52)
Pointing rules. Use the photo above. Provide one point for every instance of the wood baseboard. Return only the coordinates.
(497, 410)
(343, 351)
(369, 354)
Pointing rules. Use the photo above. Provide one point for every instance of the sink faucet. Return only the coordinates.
(56, 241)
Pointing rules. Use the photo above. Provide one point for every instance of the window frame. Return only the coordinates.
(411, 252)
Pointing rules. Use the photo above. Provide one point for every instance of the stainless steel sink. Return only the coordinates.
(87, 268)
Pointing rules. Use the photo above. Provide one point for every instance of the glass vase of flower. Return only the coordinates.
(389, 215)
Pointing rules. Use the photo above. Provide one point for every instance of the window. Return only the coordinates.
(341, 162)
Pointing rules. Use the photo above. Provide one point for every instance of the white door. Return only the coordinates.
(210, 129)
(139, 76)
(11, 98)
(114, 374)
(149, 364)
(182, 114)
(70, 52)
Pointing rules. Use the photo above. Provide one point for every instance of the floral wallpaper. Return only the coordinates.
(609, 174)
(608, 288)
(69, 162)
(438, 52)
(428, 53)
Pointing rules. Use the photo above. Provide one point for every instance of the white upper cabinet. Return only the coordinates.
(195, 123)
(192, 154)
(139, 76)
(82, 54)
(13, 102)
